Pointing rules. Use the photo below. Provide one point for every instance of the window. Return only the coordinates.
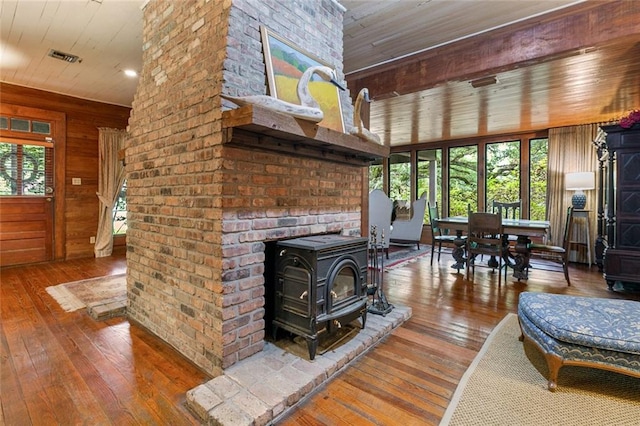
(400, 177)
(538, 162)
(23, 125)
(120, 212)
(463, 174)
(376, 175)
(502, 173)
(20, 125)
(430, 176)
(40, 127)
(463, 179)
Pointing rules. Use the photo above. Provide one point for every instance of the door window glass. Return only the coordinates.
(25, 169)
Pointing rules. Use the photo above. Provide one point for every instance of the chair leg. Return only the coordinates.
(565, 268)
(467, 271)
(433, 246)
(439, 250)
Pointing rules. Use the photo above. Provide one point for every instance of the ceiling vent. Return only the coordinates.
(64, 56)
(485, 81)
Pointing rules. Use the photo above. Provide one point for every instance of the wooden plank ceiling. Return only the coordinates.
(577, 65)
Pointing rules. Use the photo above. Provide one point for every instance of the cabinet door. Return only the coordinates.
(628, 201)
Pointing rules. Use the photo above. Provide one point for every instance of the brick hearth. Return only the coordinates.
(259, 389)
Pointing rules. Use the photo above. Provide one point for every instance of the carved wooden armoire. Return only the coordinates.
(619, 204)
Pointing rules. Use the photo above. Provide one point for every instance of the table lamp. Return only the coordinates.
(579, 181)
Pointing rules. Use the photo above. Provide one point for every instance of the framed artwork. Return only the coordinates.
(285, 65)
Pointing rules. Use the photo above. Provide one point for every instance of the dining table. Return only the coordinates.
(518, 260)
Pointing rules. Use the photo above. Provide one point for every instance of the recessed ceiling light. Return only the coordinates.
(11, 57)
(130, 73)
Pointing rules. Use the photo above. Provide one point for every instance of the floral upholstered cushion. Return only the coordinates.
(608, 324)
(625, 361)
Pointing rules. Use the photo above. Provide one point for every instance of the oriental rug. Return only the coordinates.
(506, 385)
(402, 255)
(103, 296)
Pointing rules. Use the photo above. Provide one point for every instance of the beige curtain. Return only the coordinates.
(571, 149)
(110, 179)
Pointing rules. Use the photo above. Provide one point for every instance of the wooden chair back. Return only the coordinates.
(434, 215)
(484, 237)
(507, 210)
(485, 234)
(558, 253)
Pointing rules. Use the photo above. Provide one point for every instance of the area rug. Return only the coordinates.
(506, 385)
(402, 255)
(102, 296)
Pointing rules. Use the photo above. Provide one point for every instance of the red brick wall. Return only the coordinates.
(199, 213)
(267, 197)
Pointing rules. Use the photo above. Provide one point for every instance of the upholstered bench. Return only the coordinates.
(591, 332)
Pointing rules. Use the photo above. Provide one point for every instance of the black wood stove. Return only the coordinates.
(320, 284)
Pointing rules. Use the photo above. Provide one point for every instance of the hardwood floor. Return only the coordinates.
(409, 378)
(65, 368)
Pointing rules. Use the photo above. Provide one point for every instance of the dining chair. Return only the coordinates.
(437, 237)
(560, 254)
(484, 236)
(507, 210)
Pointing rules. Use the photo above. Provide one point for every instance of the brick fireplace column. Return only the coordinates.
(199, 212)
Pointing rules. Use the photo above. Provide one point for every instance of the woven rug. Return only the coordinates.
(506, 385)
(103, 296)
(402, 255)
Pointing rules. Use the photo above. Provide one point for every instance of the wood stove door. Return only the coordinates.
(295, 295)
(343, 285)
(295, 285)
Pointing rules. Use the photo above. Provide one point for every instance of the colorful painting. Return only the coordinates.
(285, 65)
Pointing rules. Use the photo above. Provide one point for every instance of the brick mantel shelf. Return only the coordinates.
(260, 128)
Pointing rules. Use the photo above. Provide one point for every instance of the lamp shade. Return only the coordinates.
(579, 181)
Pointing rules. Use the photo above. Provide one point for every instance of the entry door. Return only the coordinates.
(26, 230)
(28, 210)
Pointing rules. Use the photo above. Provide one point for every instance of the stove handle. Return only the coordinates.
(304, 294)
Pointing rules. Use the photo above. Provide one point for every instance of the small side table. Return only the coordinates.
(584, 215)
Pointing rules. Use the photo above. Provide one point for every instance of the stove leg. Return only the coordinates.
(312, 345)
(364, 317)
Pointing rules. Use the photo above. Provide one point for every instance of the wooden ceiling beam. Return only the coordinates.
(565, 33)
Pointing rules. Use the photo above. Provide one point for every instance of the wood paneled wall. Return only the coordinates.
(83, 118)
